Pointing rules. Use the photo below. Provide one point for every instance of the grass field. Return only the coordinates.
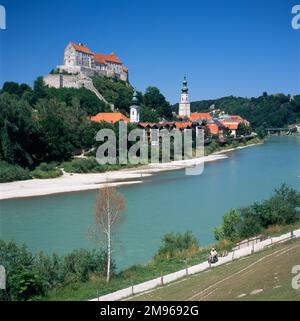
(266, 275)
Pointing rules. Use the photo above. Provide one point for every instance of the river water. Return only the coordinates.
(167, 202)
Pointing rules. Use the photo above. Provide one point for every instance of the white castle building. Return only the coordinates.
(80, 59)
(80, 64)
(184, 105)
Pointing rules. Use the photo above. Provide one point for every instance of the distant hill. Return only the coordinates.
(276, 110)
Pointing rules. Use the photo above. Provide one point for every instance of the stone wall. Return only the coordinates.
(52, 81)
(67, 81)
(74, 81)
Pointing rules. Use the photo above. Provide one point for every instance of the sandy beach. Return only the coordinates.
(83, 182)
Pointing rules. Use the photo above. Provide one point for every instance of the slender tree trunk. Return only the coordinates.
(108, 254)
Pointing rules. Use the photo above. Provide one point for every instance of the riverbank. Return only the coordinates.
(227, 150)
(83, 182)
(141, 276)
(70, 182)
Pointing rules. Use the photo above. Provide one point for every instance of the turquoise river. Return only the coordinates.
(167, 202)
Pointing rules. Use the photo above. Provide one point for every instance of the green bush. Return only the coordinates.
(27, 285)
(90, 165)
(177, 244)
(10, 173)
(282, 208)
(83, 165)
(79, 264)
(44, 171)
(229, 229)
(261, 132)
(31, 276)
(211, 148)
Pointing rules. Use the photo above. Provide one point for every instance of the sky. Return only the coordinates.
(225, 47)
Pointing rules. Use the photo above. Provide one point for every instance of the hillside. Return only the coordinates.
(263, 276)
(264, 111)
(43, 124)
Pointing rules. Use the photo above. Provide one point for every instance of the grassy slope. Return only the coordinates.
(269, 270)
(137, 274)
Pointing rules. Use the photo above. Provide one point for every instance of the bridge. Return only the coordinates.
(281, 131)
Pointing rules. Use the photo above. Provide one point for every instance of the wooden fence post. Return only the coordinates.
(232, 255)
(161, 278)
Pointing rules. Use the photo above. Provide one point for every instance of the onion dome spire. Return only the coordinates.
(184, 86)
(135, 100)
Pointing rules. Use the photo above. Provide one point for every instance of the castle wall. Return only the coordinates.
(67, 81)
(52, 80)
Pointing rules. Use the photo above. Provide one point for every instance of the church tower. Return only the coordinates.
(184, 106)
(135, 109)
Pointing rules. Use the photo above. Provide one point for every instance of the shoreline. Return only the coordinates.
(236, 148)
(69, 183)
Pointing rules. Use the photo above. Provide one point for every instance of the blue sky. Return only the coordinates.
(226, 47)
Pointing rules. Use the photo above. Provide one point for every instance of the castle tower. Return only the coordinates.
(135, 109)
(184, 105)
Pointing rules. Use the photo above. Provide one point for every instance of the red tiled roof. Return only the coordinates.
(180, 125)
(81, 48)
(113, 58)
(230, 125)
(237, 119)
(200, 116)
(110, 117)
(100, 58)
(214, 129)
(103, 59)
(147, 124)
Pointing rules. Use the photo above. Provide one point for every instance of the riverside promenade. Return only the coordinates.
(165, 279)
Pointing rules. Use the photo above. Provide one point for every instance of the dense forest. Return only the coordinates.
(265, 111)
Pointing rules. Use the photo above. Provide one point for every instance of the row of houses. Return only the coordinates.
(217, 126)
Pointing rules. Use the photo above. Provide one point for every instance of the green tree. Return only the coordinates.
(229, 228)
(154, 99)
(250, 223)
(243, 130)
(283, 206)
(18, 132)
(148, 115)
(56, 131)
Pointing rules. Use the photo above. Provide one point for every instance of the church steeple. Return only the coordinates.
(184, 89)
(184, 106)
(134, 109)
(135, 100)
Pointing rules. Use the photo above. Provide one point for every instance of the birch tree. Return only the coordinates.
(108, 215)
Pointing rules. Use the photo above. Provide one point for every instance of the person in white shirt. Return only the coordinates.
(213, 254)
